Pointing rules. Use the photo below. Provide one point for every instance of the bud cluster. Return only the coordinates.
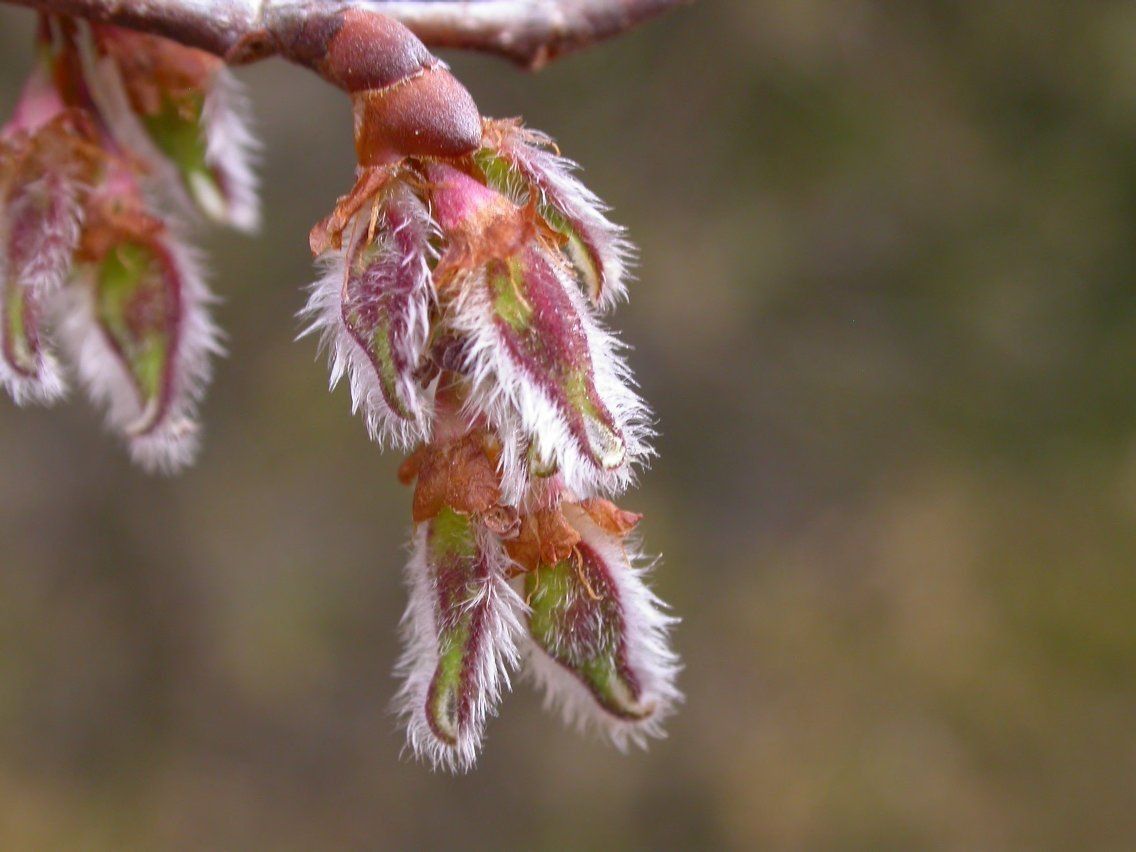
(462, 296)
(464, 281)
(115, 134)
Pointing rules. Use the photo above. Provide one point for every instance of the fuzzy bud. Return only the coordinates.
(523, 163)
(534, 354)
(460, 628)
(371, 307)
(137, 326)
(600, 637)
(46, 164)
(183, 112)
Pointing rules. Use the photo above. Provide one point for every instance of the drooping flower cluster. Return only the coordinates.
(113, 134)
(462, 297)
(464, 279)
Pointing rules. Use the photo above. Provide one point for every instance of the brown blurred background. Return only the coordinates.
(887, 317)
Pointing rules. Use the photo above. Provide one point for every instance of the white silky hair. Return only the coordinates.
(104, 81)
(324, 315)
(50, 260)
(230, 145)
(497, 653)
(171, 443)
(649, 654)
(232, 149)
(47, 385)
(530, 153)
(41, 277)
(521, 411)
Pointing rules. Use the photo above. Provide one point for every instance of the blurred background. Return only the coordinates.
(887, 318)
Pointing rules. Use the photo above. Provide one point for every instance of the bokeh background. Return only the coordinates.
(887, 317)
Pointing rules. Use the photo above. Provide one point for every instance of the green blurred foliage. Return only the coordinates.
(887, 317)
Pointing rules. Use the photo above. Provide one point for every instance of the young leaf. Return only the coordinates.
(599, 638)
(460, 629)
(372, 306)
(138, 328)
(517, 160)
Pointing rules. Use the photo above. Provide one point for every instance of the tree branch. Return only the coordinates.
(530, 32)
(215, 26)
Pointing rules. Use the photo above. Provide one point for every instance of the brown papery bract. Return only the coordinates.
(545, 538)
(112, 220)
(460, 475)
(609, 517)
